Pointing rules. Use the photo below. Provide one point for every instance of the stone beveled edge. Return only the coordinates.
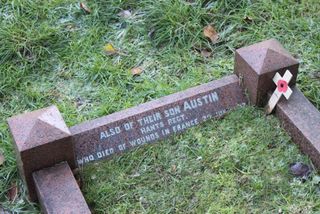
(264, 56)
(36, 128)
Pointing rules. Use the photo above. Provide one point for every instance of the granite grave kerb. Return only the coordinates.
(42, 138)
(38, 132)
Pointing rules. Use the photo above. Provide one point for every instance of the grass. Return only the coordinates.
(51, 52)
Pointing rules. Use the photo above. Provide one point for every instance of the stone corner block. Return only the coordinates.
(257, 64)
(41, 139)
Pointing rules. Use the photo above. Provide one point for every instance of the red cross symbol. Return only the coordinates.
(282, 89)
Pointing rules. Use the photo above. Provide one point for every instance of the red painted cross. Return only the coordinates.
(282, 89)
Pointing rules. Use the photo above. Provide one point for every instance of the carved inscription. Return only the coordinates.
(136, 127)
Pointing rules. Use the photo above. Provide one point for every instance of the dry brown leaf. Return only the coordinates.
(211, 33)
(206, 53)
(125, 14)
(136, 71)
(2, 159)
(85, 7)
(13, 192)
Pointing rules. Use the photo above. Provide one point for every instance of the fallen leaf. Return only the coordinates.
(1, 159)
(299, 169)
(206, 53)
(247, 19)
(136, 71)
(125, 14)
(12, 192)
(109, 49)
(211, 33)
(85, 7)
